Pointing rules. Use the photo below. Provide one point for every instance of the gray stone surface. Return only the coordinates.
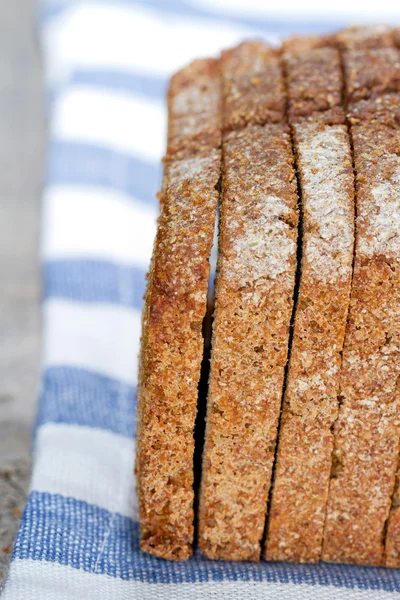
(13, 484)
(21, 167)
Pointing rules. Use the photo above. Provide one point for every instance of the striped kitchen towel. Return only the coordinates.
(107, 64)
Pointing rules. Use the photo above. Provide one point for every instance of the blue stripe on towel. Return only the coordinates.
(122, 81)
(81, 397)
(70, 532)
(84, 164)
(271, 25)
(94, 281)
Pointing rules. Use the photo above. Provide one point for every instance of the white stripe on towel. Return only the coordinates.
(122, 122)
(103, 338)
(145, 42)
(87, 464)
(40, 580)
(88, 222)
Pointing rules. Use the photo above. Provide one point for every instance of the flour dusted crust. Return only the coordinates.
(355, 37)
(314, 80)
(253, 91)
(254, 296)
(194, 108)
(363, 37)
(299, 44)
(372, 72)
(175, 305)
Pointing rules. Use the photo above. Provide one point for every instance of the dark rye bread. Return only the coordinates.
(323, 157)
(175, 305)
(366, 448)
(254, 297)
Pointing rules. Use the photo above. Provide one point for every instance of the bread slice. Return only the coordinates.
(175, 305)
(254, 298)
(367, 431)
(366, 448)
(324, 163)
(253, 91)
(303, 464)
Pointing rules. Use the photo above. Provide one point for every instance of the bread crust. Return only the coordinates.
(175, 305)
(194, 109)
(363, 37)
(253, 91)
(314, 81)
(371, 73)
(254, 298)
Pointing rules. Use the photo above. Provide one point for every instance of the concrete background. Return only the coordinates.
(21, 166)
